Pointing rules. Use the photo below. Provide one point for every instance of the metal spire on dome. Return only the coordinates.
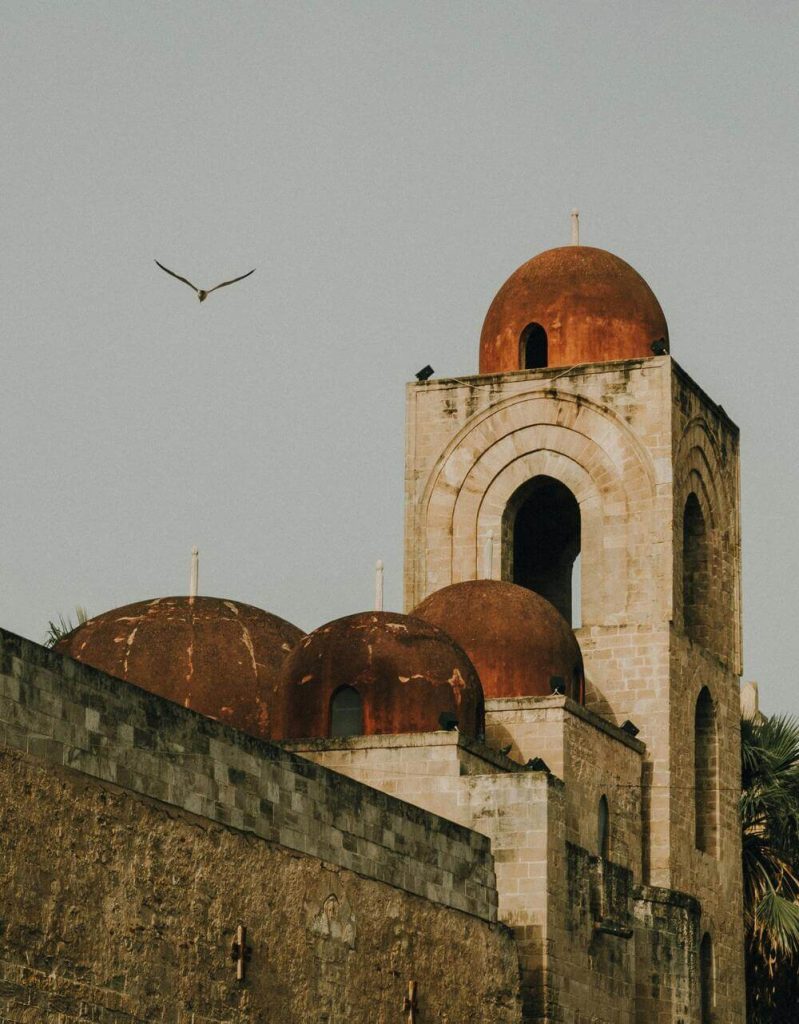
(575, 226)
(194, 578)
(379, 586)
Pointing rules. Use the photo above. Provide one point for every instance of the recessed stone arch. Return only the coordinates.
(700, 471)
(580, 444)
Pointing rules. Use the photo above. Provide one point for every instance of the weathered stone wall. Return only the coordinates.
(135, 835)
(117, 909)
(667, 958)
(70, 714)
(593, 758)
(426, 769)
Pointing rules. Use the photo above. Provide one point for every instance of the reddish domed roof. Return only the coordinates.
(216, 656)
(406, 672)
(516, 639)
(593, 306)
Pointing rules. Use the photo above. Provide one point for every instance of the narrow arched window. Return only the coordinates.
(707, 979)
(541, 540)
(695, 572)
(533, 347)
(706, 774)
(346, 712)
(603, 828)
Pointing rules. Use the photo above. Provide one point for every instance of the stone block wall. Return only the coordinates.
(119, 909)
(426, 769)
(69, 714)
(135, 836)
(593, 758)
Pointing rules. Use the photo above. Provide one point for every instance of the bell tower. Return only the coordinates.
(581, 450)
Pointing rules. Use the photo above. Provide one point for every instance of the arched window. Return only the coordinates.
(541, 540)
(707, 979)
(695, 572)
(533, 347)
(346, 712)
(706, 775)
(603, 828)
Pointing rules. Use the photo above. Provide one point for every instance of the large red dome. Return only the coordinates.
(216, 656)
(591, 306)
(404, 673)
(518, 642)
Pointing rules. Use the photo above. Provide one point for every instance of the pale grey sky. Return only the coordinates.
(385, 167)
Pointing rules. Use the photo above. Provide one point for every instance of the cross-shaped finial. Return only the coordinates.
(240, 952)
(409, 1003)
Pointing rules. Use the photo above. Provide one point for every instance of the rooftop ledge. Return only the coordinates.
(568, 706)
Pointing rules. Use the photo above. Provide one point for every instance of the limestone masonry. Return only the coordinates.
(513, 803)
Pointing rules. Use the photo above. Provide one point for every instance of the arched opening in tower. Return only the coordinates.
(541, 541)
(706, 774)
(695, 572)
(533, 345)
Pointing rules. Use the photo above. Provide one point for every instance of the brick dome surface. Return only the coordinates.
(406, 671)
(216, 656)
(515, 638)
(593, 306)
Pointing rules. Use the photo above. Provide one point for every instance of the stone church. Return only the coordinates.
(514, 802)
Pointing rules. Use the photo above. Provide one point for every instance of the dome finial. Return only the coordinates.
(194, 578)
(379, 586)
(575, 226)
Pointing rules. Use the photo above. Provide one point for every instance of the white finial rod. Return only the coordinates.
(194, 580)
(379, 586)
(488, 556)
(575, 226)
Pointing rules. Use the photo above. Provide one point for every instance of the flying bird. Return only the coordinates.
(202, 294)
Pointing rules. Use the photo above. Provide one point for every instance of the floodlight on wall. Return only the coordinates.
(628, 727)
(537, 764)
(448, 721)
(425, 373)
(660, 347)
(557, 684)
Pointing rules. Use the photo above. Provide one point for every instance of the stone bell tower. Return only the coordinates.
(583, 462)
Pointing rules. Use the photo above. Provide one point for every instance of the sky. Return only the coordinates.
(384, 167)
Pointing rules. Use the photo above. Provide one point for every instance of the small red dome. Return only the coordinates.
(592, 306)
(518, 642)
(218, 657)
(405, 672)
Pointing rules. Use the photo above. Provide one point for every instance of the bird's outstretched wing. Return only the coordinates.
(172, 272)
(232, 281)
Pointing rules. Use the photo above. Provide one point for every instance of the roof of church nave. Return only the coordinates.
(216, 656)
(518, 642)
(592, 305)
(406, 672)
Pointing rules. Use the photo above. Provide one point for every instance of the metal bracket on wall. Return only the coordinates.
(409, 1003)
(240, 952)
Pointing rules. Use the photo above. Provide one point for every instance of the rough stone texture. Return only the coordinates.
(115, 909)
(667, 949)
(68, 714)
(591, 756)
